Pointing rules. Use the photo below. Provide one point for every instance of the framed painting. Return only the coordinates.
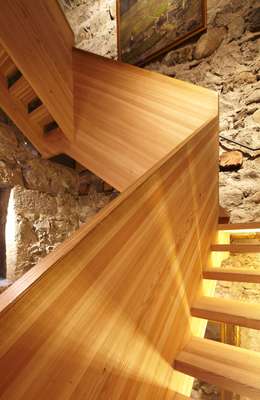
(148, 28)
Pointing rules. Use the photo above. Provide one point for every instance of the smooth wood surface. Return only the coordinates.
(228, 311)
(226, 366)
(236, 248)
(232, 274)
(252, 226)
(127, 118)
(108, 318)
(37, 37)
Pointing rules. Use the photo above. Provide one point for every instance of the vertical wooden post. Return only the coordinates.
(4, 198)
(230, 334)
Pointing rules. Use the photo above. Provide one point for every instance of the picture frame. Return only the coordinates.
(143, 54)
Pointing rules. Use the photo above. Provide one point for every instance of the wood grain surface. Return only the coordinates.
(127, 118)
(236, 248)
(107, 319)
(232, 274)
(230, 367)
(37, 37)
(228, 311)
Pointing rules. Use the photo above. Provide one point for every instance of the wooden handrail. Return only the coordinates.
(119, 292)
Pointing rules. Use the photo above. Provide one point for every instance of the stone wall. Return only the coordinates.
(94, 25)
(45, 205)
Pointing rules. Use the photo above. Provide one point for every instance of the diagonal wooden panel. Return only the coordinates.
(107, 319)
(229, 367)
(127, 118)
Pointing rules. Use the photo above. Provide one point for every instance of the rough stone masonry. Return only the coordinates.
(46, 202)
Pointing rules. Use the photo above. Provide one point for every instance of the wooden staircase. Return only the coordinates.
(23, 106)
(111, 313)
(52, 92)
(228, 367)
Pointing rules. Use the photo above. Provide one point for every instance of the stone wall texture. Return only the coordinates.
(45, 204)
(94, 25)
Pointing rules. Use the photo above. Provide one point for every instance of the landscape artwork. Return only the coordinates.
(147, 28)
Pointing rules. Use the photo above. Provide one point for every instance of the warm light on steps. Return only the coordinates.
(253, 227)
(232, 275)
(236, 248)
(227, 311)
(226, 366)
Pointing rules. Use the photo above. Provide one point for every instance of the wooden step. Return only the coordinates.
(21, 90)
(250, 227)
(41, 116)
(228, 311)
(229, 367)
(232, 275)
(236, 248)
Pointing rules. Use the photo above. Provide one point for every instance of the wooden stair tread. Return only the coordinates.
(236, 248)
(232, 274)
(240, 227)
(228, 311)
(229, 367)
(41, 115)
(23, 91)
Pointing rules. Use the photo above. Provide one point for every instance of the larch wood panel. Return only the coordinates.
(107, 319)
(227, 311)
(226, 366)
(237, 248)
(37, 37)
(232, 274)
(127, 118)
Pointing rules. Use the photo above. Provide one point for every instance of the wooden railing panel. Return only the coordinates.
(107, 319)
(127, 118)
(39, 40)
